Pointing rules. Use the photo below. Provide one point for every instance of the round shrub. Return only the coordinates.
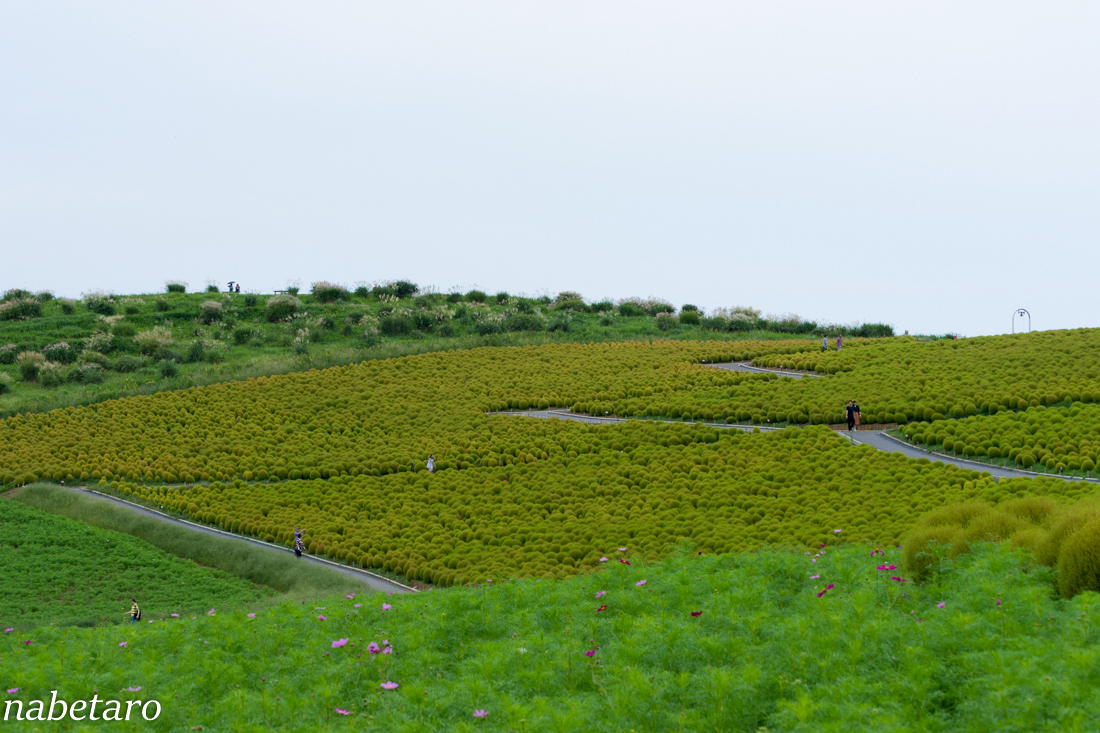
(281, 307)
(210, 312)
(1079, 561)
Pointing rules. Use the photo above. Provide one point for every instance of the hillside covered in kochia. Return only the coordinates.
(343, 450)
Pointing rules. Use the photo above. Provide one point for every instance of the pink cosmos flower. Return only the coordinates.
(372, 648)
(28, 641)
(351, 596)
(252, 615)
(601, 594)
(640, 582)
(900, 580)
(389, 685)
(8, 631)
(998, 603)
(340, 711)
(121, 643)
(941, 604)
(603, 559)
(481, 713)
(322, 618)
(388, 650)
(590, 653)
(339, 643)
(357, 605)
(13, 690)
(174, 615)
(134, 689)
(836, 531)
(210, 612)
(815, 577)
(622, 549)
(386, 606)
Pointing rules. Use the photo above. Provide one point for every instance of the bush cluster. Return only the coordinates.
(1059, 439)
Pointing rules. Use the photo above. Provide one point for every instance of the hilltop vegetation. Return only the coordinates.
(56, 352)
(59, 570)
(784, 641)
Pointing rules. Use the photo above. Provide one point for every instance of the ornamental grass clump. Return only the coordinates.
(211, 311)
(326, 292)
(20, 309)
(175, 286)
(281, 307)
(151, 341)
(30, 364)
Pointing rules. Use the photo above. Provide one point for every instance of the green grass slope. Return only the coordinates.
(61, 571)
(104, 347)
(782, 641)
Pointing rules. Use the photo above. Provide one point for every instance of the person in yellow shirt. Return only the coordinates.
(134, 613)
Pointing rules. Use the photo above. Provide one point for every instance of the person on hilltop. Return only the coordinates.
(431, 463)
(134, 613)
(299, 546)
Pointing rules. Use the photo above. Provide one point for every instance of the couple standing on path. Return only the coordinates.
(825, 343)
(853, 415)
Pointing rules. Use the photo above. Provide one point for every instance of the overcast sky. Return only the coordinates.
(934, 165)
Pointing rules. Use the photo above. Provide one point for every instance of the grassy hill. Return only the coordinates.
(56, 352)
(56, 570)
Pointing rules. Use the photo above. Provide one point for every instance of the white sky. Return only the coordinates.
(934, 165)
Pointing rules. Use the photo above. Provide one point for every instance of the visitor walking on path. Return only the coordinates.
(134, 613)
(299, 546)
(839, 343)
(855, 406)
(851, 409)
(824, 344)
(431, 463)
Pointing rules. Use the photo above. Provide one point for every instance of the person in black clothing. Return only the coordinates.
(851, 414)
(299, 545)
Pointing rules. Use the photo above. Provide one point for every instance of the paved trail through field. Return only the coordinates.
(374, 581)
(876, 439)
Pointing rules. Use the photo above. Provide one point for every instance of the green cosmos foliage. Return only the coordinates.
(59, 570)
(980, 647)
(641, 484)
(1062, 439)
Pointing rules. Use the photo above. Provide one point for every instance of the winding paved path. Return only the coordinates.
(876, 439)
(741, 366)
(374, 581)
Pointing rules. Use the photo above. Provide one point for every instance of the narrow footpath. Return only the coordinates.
(876, 439)
(374, 581)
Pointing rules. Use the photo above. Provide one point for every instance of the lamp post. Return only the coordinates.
(1021, 313)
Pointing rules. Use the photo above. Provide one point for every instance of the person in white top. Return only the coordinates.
(431, 463)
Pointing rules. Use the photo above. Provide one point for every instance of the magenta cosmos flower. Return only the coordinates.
(601, 594)
(386, 606)
(622, 549)
(696, 614)
(134, 689)
(252, 615)
(174, 615)
(210, 612)
(13, 690)
(340, 711)
(339, 643)
(590, 653)
(389, 685)
(121, 643)
(481, 713)
(322, 618)
(372, 648)
(941, 604)
(8, 631)
(603, 559)
(640, 582)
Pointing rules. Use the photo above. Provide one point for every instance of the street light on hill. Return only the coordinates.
(1021, 313)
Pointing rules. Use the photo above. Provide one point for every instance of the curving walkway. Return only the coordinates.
(876, 439)
(374, 581)
(743, 366)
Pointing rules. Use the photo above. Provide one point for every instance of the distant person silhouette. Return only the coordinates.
(299, 546)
